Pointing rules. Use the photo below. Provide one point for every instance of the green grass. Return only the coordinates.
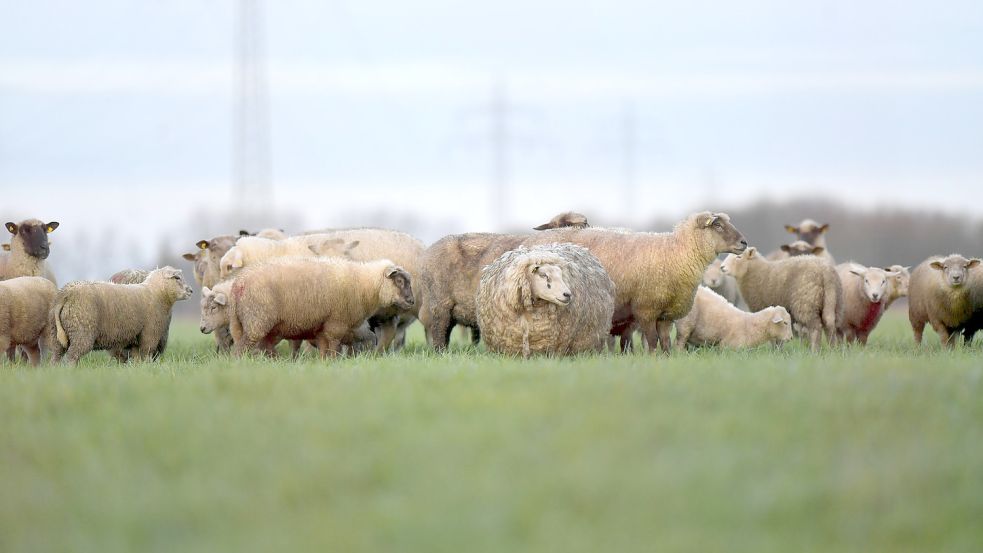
(866, 450)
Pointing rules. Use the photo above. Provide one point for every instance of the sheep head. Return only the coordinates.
(736, 265)
(808, 230)
(213, 311)
(170, 280)
(874, 282)
(401, 287)
(779, 324)
(713, 277)
(32, 234)
(955, 269)
(717, 229)
(546, 283)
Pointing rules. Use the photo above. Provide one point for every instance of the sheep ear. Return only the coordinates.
(535, 270)
(857, 271)
(972, 263)
(190, 256)
(786, 248)
(50, 227)
(6, 247)
(202, 244)
(777, 319)
(543, 226)
(818, 250)
(352, 245)
(220, 298)
(391, 270)
(824, 228)
(237, 260)
(12, 228)
(711, 219)
(245, 233)
(205, 290)
(937, 265)
(791, 230)
(751, 252)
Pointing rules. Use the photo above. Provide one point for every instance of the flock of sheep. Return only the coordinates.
(567, 288)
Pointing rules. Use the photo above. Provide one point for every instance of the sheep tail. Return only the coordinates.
(60, 333)
(831, 303)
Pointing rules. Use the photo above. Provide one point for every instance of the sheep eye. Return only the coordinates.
(548, 285)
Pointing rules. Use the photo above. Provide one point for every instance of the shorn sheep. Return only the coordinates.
(24, 306)
(116, 317)
(806, 286)
(715, 321)
(725, 285)
(553, 299)
(28, 250)
(655, 274)
(570, 219)
(867, 293)
(939, 294)
(323, 300)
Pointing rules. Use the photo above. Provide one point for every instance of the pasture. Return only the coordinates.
(848, 450)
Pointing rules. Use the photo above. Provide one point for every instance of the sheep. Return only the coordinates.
(24, 305)
(270, 233)
(725, 285)
(806, 286)
(810, 235)
(324, 300)
(250, 250)
(810, 232)
(102, 315)
(28, 250)
(867, 293)
(566, 219)
(975, 322)
(716, 321)
(215, 315)
(939, 295)
(136, 276)
(554, 299)
(207, 258)
(655, 274)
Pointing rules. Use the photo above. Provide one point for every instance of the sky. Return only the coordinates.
(119, 114)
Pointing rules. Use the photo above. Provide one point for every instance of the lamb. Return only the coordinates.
(24, 305)
(867, 293)
(101, 315)
(29, 248)
(716, 321)
(136, 276)
(806, 286)
(939, 295)
(566, 219)
(324, 300)
(725, 285)
(655, 274)
(250, 250)
(553, 299)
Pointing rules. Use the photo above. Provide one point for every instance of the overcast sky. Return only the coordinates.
(381, 106)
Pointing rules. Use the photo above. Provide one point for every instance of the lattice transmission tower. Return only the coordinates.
(252, 178)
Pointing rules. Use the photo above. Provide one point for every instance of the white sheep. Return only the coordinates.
(939, 294)
(24, 306)
(725, 285)
(867, 293)
(715, 321)
(552, 299)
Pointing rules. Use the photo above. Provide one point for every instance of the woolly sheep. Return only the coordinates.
(655, 274)
(725, 285)
(101, 315)
(806, 286)
(136, 276)
(939, 295)
(24, 306)
(716, 321)
(867, 293)
(552, 299)
(28, 249)
(250, 250)
(207, 259)
(324, 300)
(566, 219)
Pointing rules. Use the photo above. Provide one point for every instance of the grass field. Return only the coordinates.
(866, 450)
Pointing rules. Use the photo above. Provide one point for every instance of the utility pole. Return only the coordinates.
(629, 141)
(252, 188)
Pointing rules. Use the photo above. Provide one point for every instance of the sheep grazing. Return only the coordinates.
(725, 285)
(939, 294)
(655, 274)
(553, 299)
(323, 300)
(24, 306)
(867, 293)
(250, 250)
(28, 250)
(806, 286)
(566, 219)
(716, 321)
(133, 318)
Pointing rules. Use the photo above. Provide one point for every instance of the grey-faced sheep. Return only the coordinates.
(655, 274)
(207, 259)
(725, 285)
(939, 295)
(867, 293)
(566, 219)
(105, 316)
(324, 300)
(554, 299)
(24, 306)
(715, 321)
(28, 250)
(806, 286)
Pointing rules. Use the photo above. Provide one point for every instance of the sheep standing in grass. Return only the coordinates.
(655, 274)
(939, 295)
(24, 306)
(716, 321)
(324, 300)
(116, 317)
(207, 271)
(975, 322)
(136, 276)
(28, 250)
(554, 299)
(867, 293)
(806, 286)
(725, 285)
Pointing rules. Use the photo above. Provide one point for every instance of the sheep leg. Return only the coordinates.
(328, 346)
(78, 347)
(385, 334)
(918, 327)
(244, 345)
(223, 339)
(475, 335)
(120, 355)
(625, 340)
(295, 346)
(439, 330)
(944, 335)
(11, 350)
(682, 338)
(651, 331)
(33, 353)
(665, 335)
(815, 334)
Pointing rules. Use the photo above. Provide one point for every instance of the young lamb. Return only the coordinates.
(566, 219)
(655, 274)
(553, 299)
(24, 306)
(939, 295)
(715, 321)
(725, 285)
(323, 300)
(136, 276)
(116, 317)
(867, 293)
(28, 250)
(806, 286)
